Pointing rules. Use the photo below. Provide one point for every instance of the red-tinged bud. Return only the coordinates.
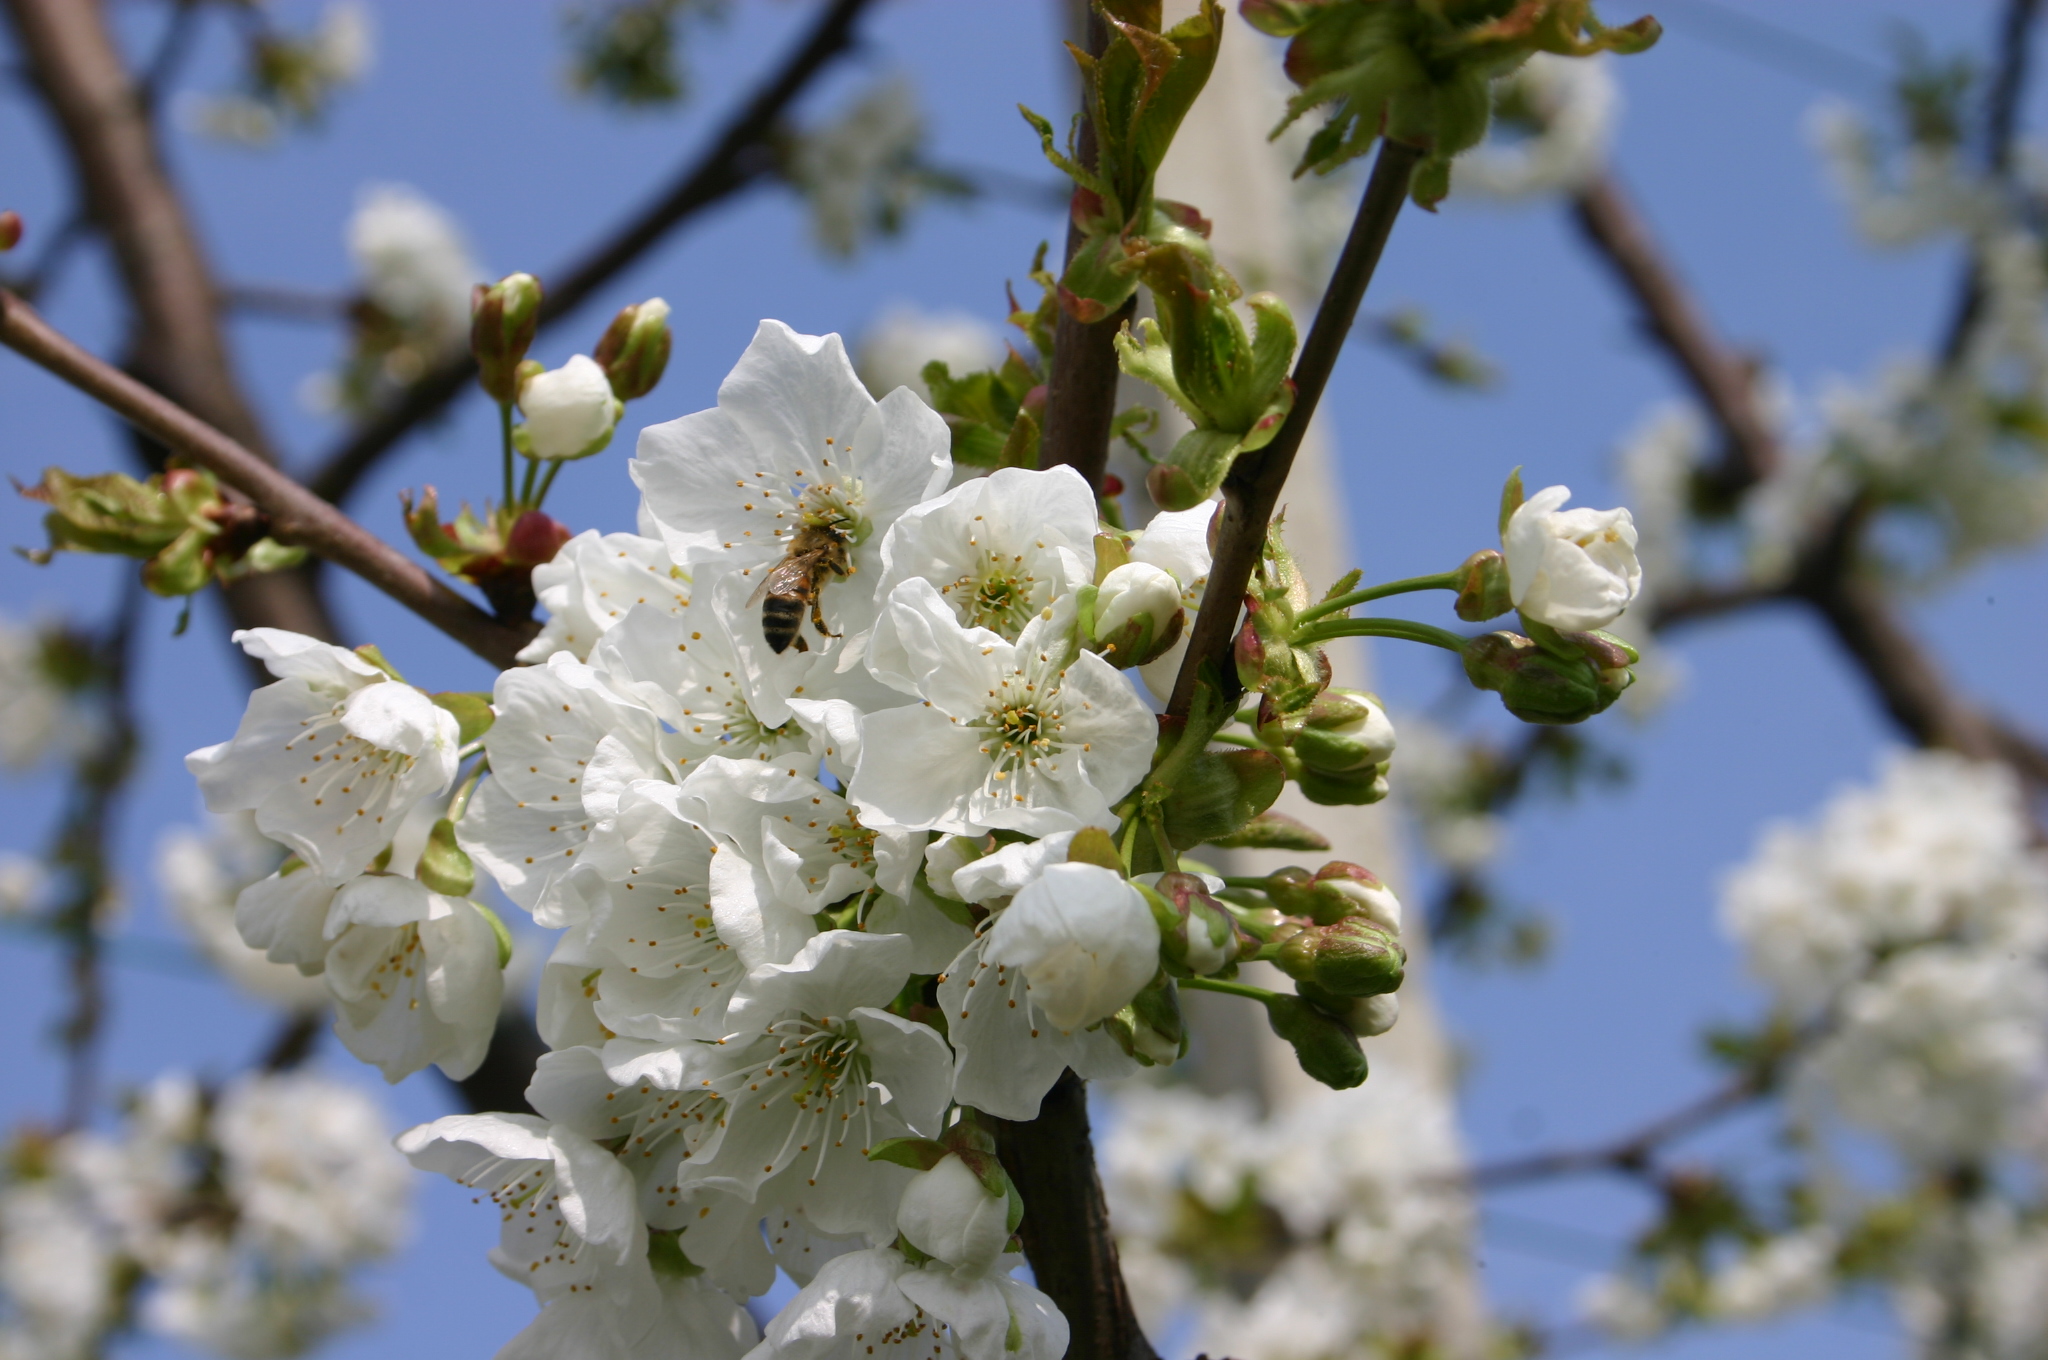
(1350, 958)
(10, 230)
(1173, 487)
(1112, 485)
(634, 350)
(535, 538)
(1341, 889)
(1197, 934)
(501, 328)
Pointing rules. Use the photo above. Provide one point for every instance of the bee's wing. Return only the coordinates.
(787, 577)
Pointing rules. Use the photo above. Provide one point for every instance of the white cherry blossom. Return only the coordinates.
(415, 977)
(567, 1221)
(794, 443)
(1177, 542)
(332, 756)
(876, 1302)
(676, 1318)
(1574, 570)
(563, 748)
(947, 1213)
(592, 581)
(805, 1075)
(1025, 736)
(1084, 940)
(570, 411)
(999, 548)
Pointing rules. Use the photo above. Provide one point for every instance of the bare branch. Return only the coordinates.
(297, 515)
(1631, 1154)
(1907, 680)
(738, 157)
(1701, 602)
(1720, 379)
(1252, 489)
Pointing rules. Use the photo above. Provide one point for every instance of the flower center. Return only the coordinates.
(1001, 595)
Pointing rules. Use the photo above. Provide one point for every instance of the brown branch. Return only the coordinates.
(175, 341)
(1631, 1154)
(286, 303)
(1720, 379)
(2001, 128)
(1906, 679)
(1066, 1224)
(1252, 489)
(297, 515)
(740, 155)
(1697, 603)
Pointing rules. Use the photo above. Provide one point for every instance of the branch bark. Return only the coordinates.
(740, 155)
(1720, 379)
(2001, 126)
(297, 515)
(1066, 1224)
(175, 341)
(1252, 489)
(1905, 678)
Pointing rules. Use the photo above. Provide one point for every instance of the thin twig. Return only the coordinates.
(171, 50)
(285, 302)
(297, 515)
(738, 157)
(1253, 487)
(1630, 1155)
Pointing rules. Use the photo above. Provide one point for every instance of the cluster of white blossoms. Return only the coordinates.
(229, 1219)
(796, 773)
(1903, 936)
(1330, 1227)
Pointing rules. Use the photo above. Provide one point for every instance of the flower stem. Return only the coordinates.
(540, 497)
(459, 804)
(1448, 580)
(526, 484)
(1406, 629)
(1243, 989)
(505, 442)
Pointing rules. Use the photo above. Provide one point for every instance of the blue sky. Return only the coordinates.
(466, 104)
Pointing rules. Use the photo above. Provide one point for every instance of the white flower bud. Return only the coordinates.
(1371, 1015)
(569, 411)
(1136, 613)
(1085, 940)
(1574, 570)
(948, 1213)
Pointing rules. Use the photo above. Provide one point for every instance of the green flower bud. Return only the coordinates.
(634, 350)
(1219, 792)
(1324, 1045)
(1355, 789)
(1197, 936)
(1342, 731)
(501, 328)
(1151, 1029)
(1350, 958)
(1341, 888)
(444, 866)
(1539, 686)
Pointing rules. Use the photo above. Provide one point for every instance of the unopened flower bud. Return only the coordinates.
(1350, 958)
(1085, 940)
(1150, 1028)
(570, 411)
(1342, 889)
(1483, 591)
(1374, 1015)
(1571, 569)
(1325, 1046)
(1355, 789)
(1342, 731)
(500, 330)
(10, 230)
(634, 350)
(1134, 616)
(1538, 686)
(1197, 936)
(949, 1213)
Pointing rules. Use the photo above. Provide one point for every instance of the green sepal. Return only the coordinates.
(1272, 830)
(1510, 500)
(369, 652)
(919, 1154)
(473, 712)
(445, 866)
(1324, 1045)
(1219, 793)
(1093, 845)
(497, 929)
(665, 1254)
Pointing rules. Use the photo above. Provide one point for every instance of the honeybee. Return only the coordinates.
(798, 580)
